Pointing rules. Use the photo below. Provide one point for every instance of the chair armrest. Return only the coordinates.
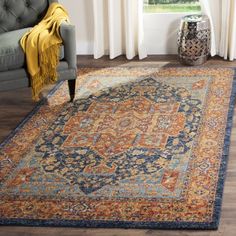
(67, 32)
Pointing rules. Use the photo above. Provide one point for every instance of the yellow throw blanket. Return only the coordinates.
(42, 47)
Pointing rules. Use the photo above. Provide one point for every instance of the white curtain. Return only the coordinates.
(222, 14)
(118, 28)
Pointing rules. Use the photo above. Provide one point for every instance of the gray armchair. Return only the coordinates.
(16, 18)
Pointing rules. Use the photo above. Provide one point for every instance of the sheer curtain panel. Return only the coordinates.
(222, 14)
(118, 28)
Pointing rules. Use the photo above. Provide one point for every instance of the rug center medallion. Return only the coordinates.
(112, 128)
(123, 136)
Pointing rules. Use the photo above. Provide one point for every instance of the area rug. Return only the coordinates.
(140, 147)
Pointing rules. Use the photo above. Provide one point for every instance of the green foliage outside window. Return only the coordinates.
(170, 1)
(162, 6)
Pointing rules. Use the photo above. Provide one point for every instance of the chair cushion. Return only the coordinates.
(11, 53)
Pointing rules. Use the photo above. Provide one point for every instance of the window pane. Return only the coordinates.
(160, 6)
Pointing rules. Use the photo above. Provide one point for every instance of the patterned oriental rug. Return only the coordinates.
(141, 147)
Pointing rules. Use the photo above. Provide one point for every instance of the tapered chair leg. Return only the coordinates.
(71, 85)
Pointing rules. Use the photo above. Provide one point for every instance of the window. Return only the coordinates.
(163, 6)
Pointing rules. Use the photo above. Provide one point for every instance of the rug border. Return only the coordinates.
(139, 225)
(225, 155)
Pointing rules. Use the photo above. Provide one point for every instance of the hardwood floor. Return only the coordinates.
(15, 105)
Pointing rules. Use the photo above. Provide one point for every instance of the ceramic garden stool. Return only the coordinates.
(194, 40)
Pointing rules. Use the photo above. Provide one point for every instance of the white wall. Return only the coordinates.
(160, 30)
(81, 15)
